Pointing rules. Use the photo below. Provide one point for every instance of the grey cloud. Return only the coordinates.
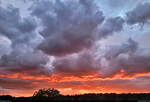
(122, 83)
(21, 39)
(7, 83)
(5, 45)
(111, 26)
(137, 63)
(115, 51)
(26, 62)
(144, 78)
(128, 57)
(140, 14)
(15, 27)
(117, 3)
(68, 26)
(82, 63)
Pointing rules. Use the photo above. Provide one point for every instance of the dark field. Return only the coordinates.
(82, 98)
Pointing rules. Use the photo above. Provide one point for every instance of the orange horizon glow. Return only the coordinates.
(78, 92)
(57, 81)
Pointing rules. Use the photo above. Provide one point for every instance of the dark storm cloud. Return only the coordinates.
(69, 26)
(140, 14)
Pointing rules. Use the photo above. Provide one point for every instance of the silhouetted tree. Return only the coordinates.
(50, 92)
(5, 97)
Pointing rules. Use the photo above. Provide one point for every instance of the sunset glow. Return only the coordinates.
(70, 84)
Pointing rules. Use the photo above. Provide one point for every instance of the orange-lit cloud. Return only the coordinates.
(64, 77)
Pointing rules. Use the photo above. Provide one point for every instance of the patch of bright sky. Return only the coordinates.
(23, 5)
(113, 8)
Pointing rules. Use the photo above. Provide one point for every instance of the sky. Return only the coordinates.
(75, 46)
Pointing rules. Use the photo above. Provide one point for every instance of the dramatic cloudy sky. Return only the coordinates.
(76, 46)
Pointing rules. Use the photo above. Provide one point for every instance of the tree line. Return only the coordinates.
(51, 94)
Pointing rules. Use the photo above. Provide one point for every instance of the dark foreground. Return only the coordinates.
(82, 98)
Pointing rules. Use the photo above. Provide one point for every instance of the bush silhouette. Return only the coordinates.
(50, 92)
